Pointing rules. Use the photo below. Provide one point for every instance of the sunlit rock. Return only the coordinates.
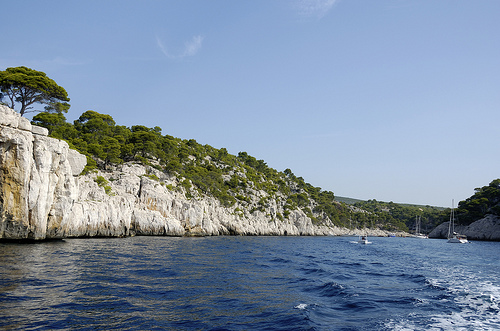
(43, 195)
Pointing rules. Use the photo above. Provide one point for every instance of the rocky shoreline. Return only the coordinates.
(44, 196)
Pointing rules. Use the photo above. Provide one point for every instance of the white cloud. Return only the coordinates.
(191, 47)
(314, 8)
(161, 46)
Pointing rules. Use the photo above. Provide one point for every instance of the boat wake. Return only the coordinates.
(463, 302)
(478, 306)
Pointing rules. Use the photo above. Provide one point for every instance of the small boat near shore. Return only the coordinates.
(458, 239)
(363, 240)
(454, 237)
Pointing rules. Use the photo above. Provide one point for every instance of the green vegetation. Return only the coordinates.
(232, 179)
(27, 86)
(486, 200)
(401, 216)
(102, 182)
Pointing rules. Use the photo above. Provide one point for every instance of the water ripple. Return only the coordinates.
(249, 283)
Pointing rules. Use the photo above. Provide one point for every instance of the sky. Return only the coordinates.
(393, 100)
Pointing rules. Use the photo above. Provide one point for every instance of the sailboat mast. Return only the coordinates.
(451, 226)
(452, 217)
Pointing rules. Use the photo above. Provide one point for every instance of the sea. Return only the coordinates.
(249, 283)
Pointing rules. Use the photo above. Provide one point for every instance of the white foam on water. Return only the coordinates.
(301, 306)
(400, 326)
(478, 301)
(476, 298)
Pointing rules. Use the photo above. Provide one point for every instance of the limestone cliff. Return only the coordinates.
(37, 183)
(43, 196)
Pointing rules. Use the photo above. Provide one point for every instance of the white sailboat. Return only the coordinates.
(418, 228)
(454, 237)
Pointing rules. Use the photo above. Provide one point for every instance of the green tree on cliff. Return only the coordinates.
(26, 87)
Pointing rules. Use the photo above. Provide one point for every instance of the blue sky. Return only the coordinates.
(394, 100)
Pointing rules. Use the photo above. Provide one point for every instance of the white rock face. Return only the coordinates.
(35, 177)
(10, 118)
(43, 196)
(139, 205)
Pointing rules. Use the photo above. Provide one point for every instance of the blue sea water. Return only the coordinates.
(249, 283)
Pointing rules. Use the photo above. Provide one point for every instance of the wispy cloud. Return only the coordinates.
(314, 8)
(161, 46)
(191, 47)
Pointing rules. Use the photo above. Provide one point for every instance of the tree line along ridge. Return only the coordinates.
(205, 170)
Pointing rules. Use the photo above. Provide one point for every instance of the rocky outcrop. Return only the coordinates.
(139, 200)
(487, 228)
(36, 177)
(44, 196)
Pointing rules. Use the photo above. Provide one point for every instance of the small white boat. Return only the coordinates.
(454, 237)
(363, 240)
(458, 239)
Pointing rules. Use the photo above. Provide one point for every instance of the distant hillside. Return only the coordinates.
(349, 201)
(484, 202)
(352, 201)
(400, 213)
